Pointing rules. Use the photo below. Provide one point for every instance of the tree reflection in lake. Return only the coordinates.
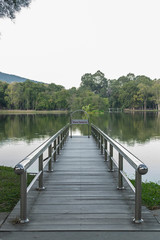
(31, 126)
(139, 132)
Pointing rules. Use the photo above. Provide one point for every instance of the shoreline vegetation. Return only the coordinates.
(95, 93)
(17, 111)
(10, 190)
(150, 194)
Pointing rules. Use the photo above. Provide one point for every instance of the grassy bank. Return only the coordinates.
(150, 194)
(9, 188)
(33, 112)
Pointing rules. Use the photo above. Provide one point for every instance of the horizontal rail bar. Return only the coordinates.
(137, 164)
(46, 162)
(133, 160)
(114, 161)
(21, 167)
(128, 181)
(33, 181)
(32, 157)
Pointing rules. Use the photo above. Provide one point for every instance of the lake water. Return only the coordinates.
(138, 132)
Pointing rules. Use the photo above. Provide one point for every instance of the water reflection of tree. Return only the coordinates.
(28, 127)
(128, 127)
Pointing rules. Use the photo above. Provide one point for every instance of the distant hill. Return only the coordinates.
(12, 78)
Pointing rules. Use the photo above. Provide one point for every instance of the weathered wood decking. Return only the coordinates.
(80, 195)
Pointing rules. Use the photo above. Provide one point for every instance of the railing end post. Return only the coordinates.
(120, 188)
(142, 169)
(19, 169)
(40, 188)
(24, 221)
(138, 221)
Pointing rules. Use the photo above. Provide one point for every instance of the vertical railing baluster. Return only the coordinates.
(141, 170)
(41, 187)
(58, 150)
(120, 177)
(23, 200)
(96, 134)
(88, 129)
(50, 164)
(63, 138)
(110, 158)
(55, 150)
(138, 189)
(70, 127)
(101, 145)
(61, 141)
(106, 148)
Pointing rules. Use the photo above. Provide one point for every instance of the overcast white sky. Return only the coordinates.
(60, 40)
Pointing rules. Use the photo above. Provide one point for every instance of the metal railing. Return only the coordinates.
(103, 141)
(54, 144)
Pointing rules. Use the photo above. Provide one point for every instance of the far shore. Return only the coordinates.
(140, 110)
(33, 112)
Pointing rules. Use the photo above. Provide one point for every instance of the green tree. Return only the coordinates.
(14, 96)
(114, 93)
(3, 87)
(156, 92)
(96, 82)
(8, 8)
(144, 89)
(127, 93)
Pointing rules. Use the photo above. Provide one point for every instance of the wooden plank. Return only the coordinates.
(81, 195)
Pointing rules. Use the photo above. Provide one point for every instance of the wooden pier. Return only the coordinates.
(80, 195)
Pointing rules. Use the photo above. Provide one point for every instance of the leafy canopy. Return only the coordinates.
(8, 8)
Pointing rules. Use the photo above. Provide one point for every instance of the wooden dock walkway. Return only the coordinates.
(81, 195)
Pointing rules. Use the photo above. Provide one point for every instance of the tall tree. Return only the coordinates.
(144, 86)
(96, 82)
(156, 92)
(8, 8)
(3, 87)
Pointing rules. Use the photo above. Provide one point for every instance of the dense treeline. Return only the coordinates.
(134, 92)
(95, 93)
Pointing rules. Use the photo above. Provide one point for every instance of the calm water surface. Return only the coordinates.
(138, 132)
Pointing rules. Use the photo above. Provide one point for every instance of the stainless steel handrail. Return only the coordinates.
(140, 168)
(21, 168)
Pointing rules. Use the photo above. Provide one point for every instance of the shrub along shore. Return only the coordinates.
(150, 194)
(33, 111)
(10, 188)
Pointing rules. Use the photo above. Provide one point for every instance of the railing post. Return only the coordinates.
(88, 129)
(141, 170)
(96, 136)
(50, 165)
(61, 140)
(120, 177)
(99, 138)
(110, 158)
(138, 189)
(41, 187)
(65, 135)
(23, 200)
(58, 145)
(105, 147)
(70, 127)
(55, 151)
(101, 145)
